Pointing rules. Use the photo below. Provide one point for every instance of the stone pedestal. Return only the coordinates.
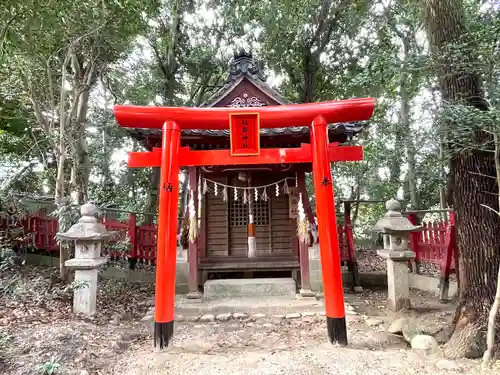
(397, 278)
(88, 236)
(85, 291)
(305, 287)
(315, 270)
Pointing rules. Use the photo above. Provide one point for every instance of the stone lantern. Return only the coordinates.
(88, 236)
(396, 230)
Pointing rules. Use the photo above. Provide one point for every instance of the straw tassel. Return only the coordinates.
(224, 194)
(205, 186)
(264, 195)
(193, 222)
(285, 187)
(302, 223)
(199, 198)
(245, 196)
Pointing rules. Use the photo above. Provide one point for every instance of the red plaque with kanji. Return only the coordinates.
(244, 129)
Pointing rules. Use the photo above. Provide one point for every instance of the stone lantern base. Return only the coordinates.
(85, 293)
(397, 278)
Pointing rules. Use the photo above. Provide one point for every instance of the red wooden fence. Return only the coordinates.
(436, 245)
(41, 232)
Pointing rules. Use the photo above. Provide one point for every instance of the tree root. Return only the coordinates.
(467, 341)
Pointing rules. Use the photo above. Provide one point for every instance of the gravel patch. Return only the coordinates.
(314, 360)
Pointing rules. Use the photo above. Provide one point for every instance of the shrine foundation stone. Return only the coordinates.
(228, 288)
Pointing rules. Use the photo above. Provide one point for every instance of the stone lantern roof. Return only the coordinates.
(394, 221)
(87, 228)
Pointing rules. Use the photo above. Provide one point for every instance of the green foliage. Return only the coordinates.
(49, 61)
(171, 52)
(122, 246)
(50, 367)
(5, 340)
(75, 285)
(12, 233)
(68, 214)
(470, 123)
(296, 38)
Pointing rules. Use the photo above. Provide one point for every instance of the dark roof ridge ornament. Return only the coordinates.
(244, 64)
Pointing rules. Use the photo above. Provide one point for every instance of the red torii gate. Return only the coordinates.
(244, 125)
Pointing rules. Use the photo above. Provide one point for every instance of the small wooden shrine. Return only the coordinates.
(248, 213)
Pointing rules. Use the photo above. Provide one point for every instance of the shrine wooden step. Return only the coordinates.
(238, 264)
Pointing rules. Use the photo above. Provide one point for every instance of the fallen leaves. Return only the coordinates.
(369, 261)
(37, 324)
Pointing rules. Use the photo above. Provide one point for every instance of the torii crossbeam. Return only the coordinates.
(244, 125)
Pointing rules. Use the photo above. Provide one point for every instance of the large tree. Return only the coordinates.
(54, 59)
(473, 189)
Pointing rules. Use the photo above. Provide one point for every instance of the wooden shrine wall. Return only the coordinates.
(227, 221)
(215, 217)
(281, 226)
(238, 223)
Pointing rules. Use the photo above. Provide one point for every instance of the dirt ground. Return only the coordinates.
(38, 333)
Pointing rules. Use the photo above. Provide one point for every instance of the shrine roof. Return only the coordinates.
(348, 130)
(244, 66)
(246, 86)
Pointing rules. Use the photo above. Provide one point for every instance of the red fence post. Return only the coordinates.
(352, 263)
(414, 265)
(450, 253)
(132, 234)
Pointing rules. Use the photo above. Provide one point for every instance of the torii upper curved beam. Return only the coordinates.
(278, 116)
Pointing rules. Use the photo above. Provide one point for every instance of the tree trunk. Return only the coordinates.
(309, 76)
(81, 160)
(82, 165)
(404, 118)
(444, 179)
(60, 153)
(492, 318)
(442, 174)
(166, 53)
(473, 187)
(478, 248)
(131, 175)
(152, 197)
(357, 197)
(396, 162)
